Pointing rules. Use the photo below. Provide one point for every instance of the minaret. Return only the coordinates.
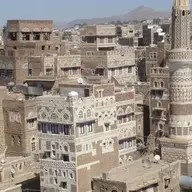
(181, 24)
(180, 66)
(179, 60)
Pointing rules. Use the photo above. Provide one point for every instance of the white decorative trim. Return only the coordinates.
(88, 165)
(107, 145)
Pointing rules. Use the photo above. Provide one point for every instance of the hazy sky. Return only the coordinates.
(67, 10)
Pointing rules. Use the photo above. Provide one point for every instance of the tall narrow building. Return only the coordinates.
(179, 143)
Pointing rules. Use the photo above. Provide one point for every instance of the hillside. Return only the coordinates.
(140, 13)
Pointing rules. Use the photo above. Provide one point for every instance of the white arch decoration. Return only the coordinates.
(120, 111)
(25, 30)
(31, 115)
(36, 29)
(46, 29)
(129, 110)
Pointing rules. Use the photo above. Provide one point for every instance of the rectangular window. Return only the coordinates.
(110, 40)
(36, 36)
(120, 119)
(82, 129)
(46, 36)
(127, 143)
(100, 93)
(26, 36)
(90, 127)
(29, 72)
(63, 185)
(65, 157)
(31, 123)
(33, 146)
(102, 39)
(13, 36)
(107, 126)
(130, 70)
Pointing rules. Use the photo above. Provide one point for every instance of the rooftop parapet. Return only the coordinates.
(99, 30)
(160, 71)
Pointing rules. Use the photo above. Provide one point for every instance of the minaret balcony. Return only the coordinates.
(158, 88)
(162, 118)
(158, 109)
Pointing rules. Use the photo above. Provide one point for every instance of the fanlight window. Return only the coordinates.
(54, 117)
(88, 113)
(80, 114)
(66, 116)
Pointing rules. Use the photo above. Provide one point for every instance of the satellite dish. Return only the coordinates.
(82, 80)
(2, 160)
(147, 163)
(157, 158)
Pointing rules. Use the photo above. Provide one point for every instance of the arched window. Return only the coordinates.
(54, 117)
(162, 84)
(183, 13)
(80, 114)
(12, 140)
(88, 113)
(161, 126)
(18, 118)
(114, 191)
(159, 104)
(120, 112)
(19, 141)
(33, 144)
(155, 84)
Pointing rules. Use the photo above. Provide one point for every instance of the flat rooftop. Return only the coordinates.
(136, 175)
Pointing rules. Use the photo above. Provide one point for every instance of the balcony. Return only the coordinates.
(40, 78)
(58, 164)
(158, 88)
(162, 117)
(158, 109)
(129, 150)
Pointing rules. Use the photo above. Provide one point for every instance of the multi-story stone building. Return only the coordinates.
(152, 34)
(159, 101)
(85, 133)
(127, 35)
(23, 38)
(18, 174)
(140, 61)
(19, 140)
(49, 71)
(101, 56)
(67, 66)
(20, 127)
(139, 177)
(178, 145)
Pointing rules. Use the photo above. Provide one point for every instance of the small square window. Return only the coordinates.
(65, 158)
(107, 126)
(63, 185)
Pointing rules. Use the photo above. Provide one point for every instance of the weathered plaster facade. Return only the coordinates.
(179, 61)
(136, 177)
(82, 136)
(24, 38)
(101, 56)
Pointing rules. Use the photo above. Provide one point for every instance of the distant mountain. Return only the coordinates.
(60, 25)
(140, 13)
